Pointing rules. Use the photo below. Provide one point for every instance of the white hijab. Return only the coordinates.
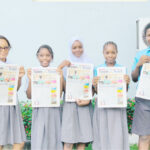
(72, 58)
(83, 58)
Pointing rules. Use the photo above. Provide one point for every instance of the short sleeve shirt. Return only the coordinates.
(104, 65)
(138, 56)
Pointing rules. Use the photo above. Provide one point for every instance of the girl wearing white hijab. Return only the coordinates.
(76, 119)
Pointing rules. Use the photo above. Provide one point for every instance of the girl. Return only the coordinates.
(45, 132)
(76, 120)
(141, 123)
(11, 126)
(110, 124)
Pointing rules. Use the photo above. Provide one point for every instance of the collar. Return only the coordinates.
(112, 66)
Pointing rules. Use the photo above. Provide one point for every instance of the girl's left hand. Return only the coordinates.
(82, 102)
(21, 72)
(79, 102)
(127, 79)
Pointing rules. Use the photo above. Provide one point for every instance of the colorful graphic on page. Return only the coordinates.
(8, 84)
(45, 87)
(79, 82)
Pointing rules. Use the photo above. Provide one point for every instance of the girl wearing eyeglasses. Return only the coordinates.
(11, 123)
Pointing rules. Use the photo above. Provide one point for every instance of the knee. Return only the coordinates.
(144, 139)
(68, 145)
(81, 145)
(22, 144)
(1, 147)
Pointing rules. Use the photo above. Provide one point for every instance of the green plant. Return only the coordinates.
(134, 147)
(130, 112)
(26, 110)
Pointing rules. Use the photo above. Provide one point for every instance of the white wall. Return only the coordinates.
(29, 24)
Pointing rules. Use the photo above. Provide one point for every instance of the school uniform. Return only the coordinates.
(46, 127)
(76, 124)
(11, 126)
(76, 120)
(141, 121)
(110, 131)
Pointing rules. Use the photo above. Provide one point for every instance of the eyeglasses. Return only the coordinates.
(4, 48)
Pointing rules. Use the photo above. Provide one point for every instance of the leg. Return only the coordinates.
(1, 147)
(81, 146)
(144, 142)
(18, 146)
(68, 146)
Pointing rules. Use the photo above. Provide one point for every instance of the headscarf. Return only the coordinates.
(83, 58)
(72, 58)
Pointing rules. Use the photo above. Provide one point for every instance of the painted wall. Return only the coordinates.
(29, 24)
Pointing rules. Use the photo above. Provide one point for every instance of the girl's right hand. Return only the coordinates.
(65, 63)
(29, 73)
(144, 59)
(21, 72)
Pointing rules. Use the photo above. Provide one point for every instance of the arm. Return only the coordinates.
(61, 85)
(21, 74)
(95, 82)
(65, 63)
(64, 86)
(19, 83)
(93, 90)
(61, 80)
(83, 102)
(28, 92)
(136, 71)
(135, 74)
(127, 80)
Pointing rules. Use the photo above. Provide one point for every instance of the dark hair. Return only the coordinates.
(110, 43)
(48, 48)
(4, 38)
(144, 33)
